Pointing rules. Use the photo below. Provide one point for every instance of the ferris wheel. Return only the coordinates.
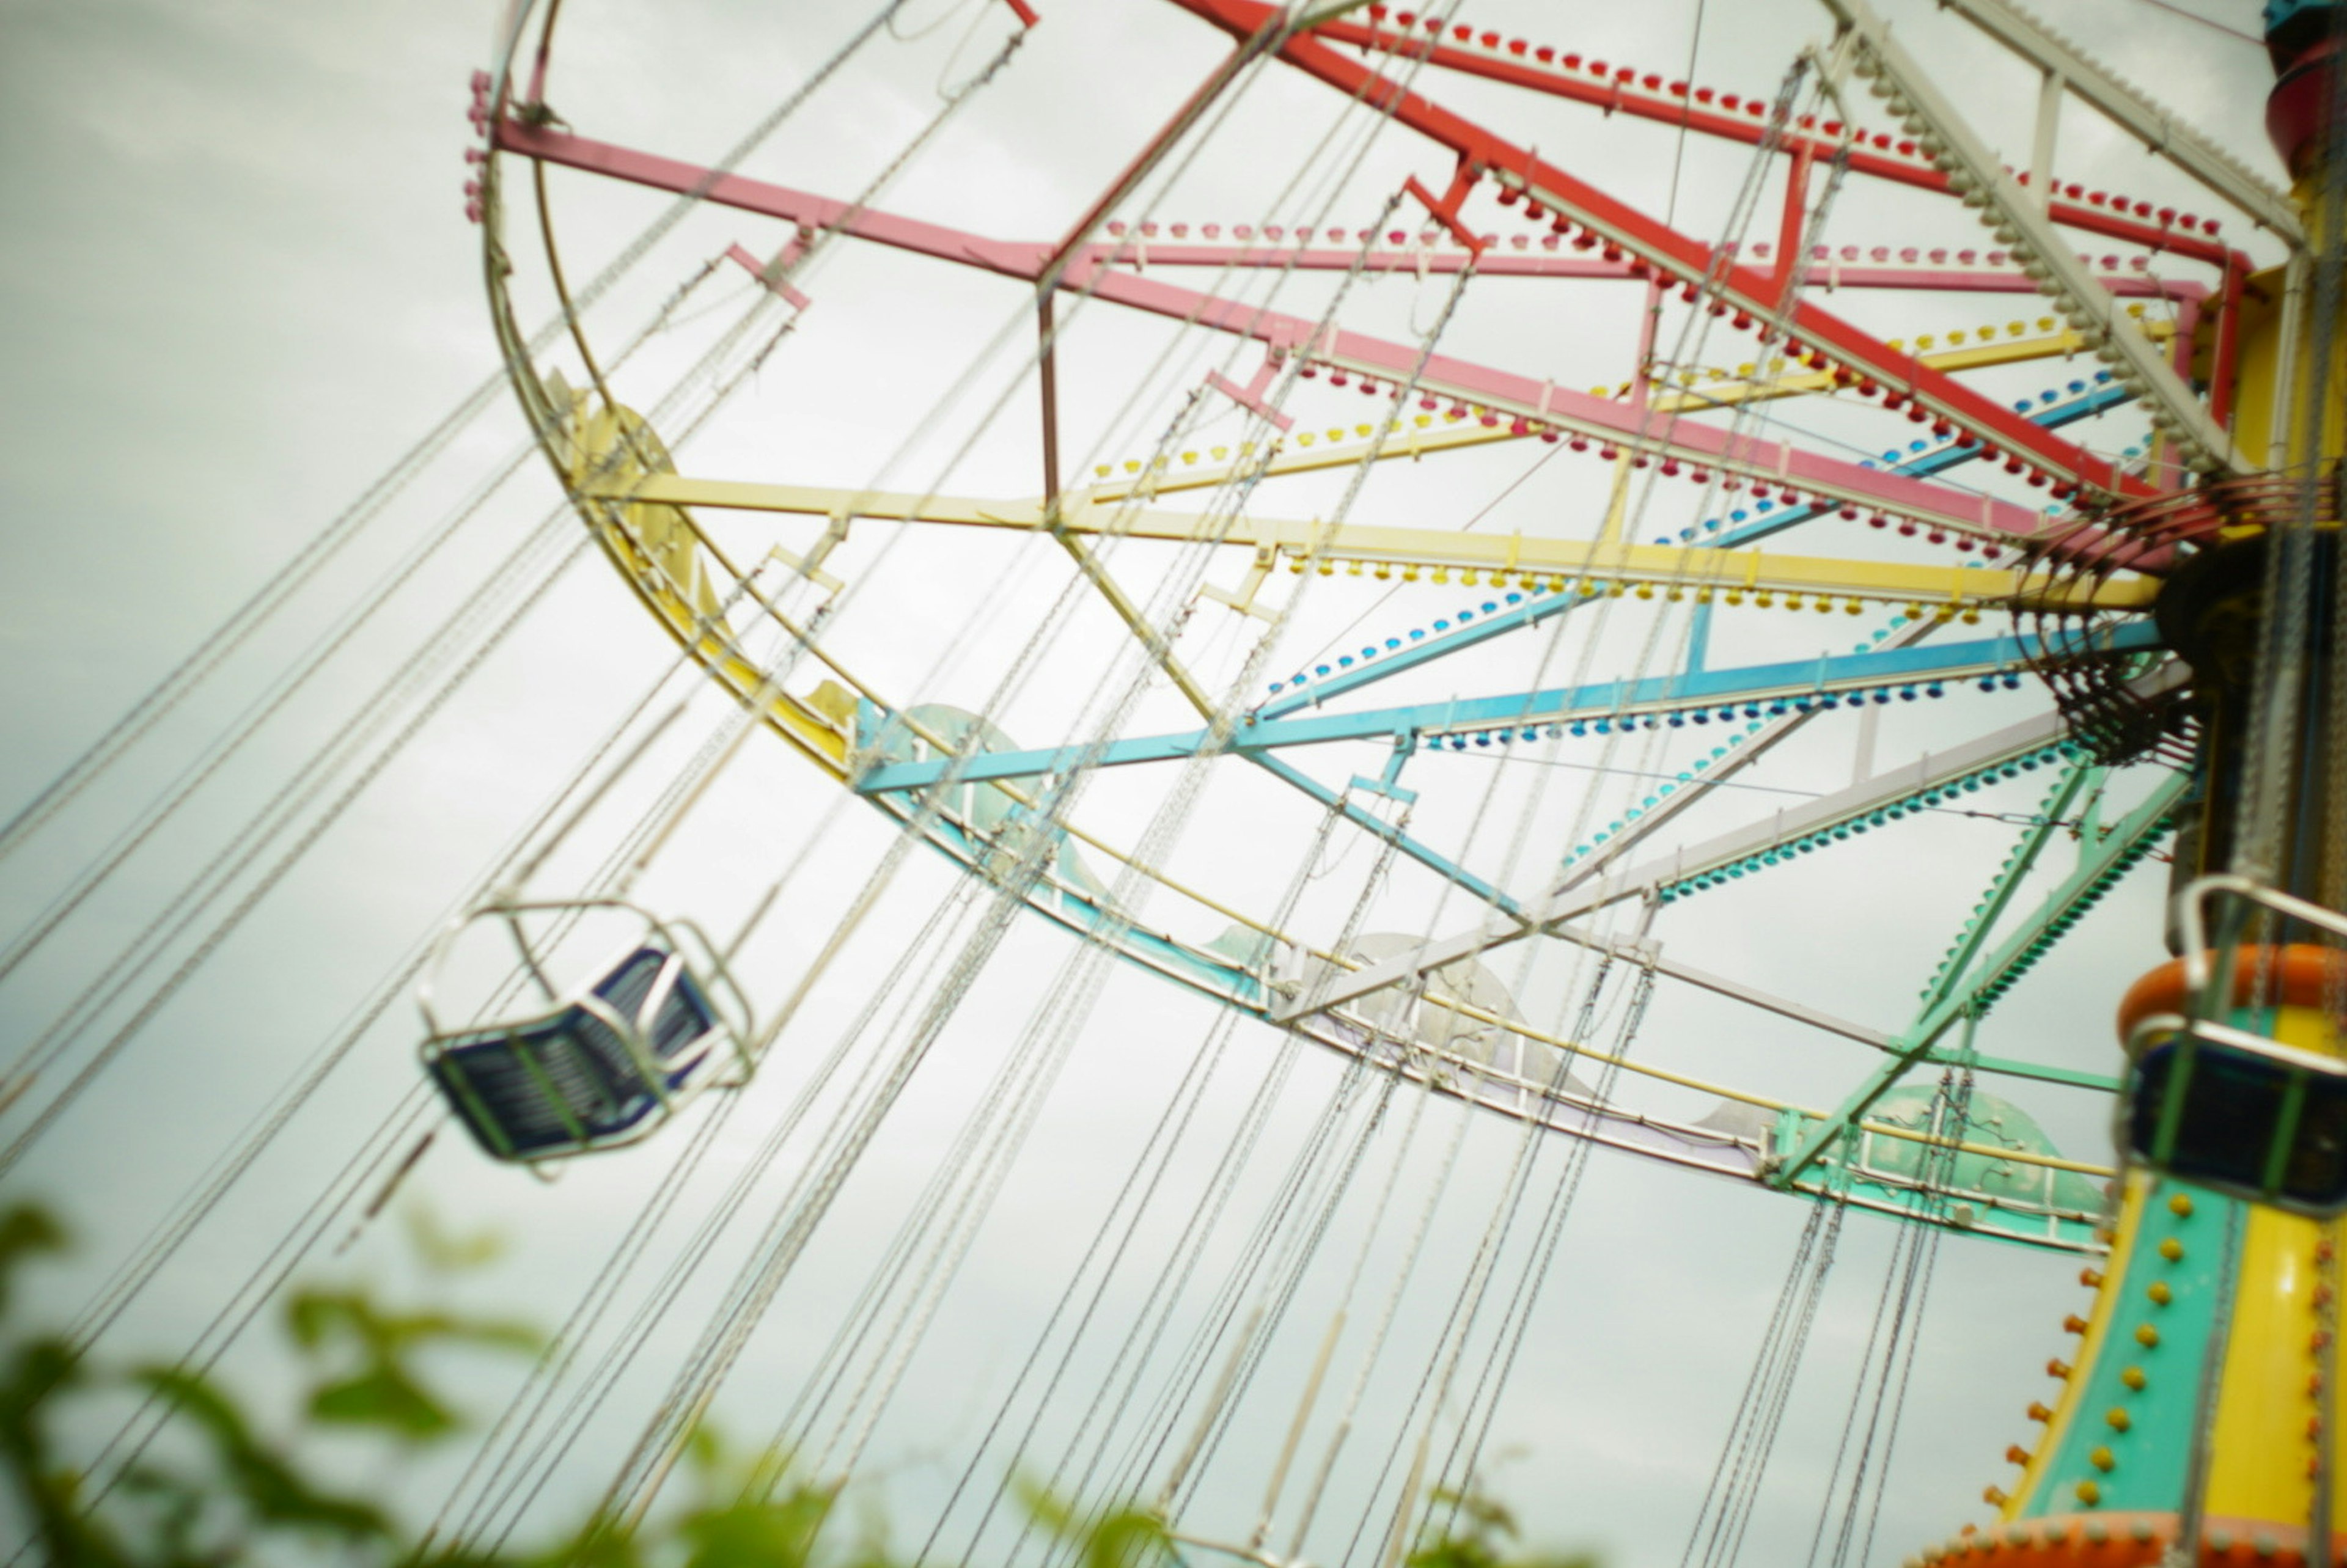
(1341, 514)
(1618, 610)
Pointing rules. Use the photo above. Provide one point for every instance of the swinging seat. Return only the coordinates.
(2248, 1117)
(594, 1070)
(2221, 1105)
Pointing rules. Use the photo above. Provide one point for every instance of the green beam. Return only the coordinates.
(2006, 883)
(2099, 864)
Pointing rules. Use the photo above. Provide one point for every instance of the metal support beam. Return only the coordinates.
(1506, 394)
(2006, 883)
(1685, 260)
(1883, 789)
(1980, 179)
(1956, 1003)
(1414, 443)
(1541, 608)
(1440, 865)
(1303, 540)
(1909, 665)
(1161, 652)
(1632, 100)
(2096, 861)
(2127, 107)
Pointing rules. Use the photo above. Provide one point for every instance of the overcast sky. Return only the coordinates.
(236, 282)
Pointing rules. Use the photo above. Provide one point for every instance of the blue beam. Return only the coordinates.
(1921, 662)
(1540, 607)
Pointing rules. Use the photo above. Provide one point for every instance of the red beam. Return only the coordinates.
(1623, 97)
(1688, 259)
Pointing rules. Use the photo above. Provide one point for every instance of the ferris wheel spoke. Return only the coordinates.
(1976, 172)
(1692, 695)
(2103, 855)
(2126, 106)
(1421, 649)
(2102, 859)
(1023, 259)
(1885, 796)
(1437, 253)
(1404, 843)
(1675, 442)
(1417, 440)
(1305, 542)
(1624, 91)
(1755, 297)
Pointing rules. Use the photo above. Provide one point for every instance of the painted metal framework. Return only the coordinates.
(1566, 228)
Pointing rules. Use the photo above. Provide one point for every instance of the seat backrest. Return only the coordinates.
(683, 1016)
(2256, 1124)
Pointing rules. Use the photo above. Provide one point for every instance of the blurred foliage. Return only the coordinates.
(1479, 1532)
(231, 1486)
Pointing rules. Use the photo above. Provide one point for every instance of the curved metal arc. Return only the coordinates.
(1462, 1077)
(670, 599)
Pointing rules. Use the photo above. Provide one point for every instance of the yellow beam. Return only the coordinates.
(1413, 551)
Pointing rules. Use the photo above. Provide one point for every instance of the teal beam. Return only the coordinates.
(2006, 883)
(2100, 865)
(2068, 1076)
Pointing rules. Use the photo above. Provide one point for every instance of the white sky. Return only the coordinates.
(236, 283)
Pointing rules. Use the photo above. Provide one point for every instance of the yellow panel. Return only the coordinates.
(2262, 1442)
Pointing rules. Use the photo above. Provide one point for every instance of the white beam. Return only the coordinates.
(1978, 177)
(1496, 929)
(2128, 107)
(1893, 785)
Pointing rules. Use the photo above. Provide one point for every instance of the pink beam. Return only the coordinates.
(770, 274)
(1576, 414)
(1825, 274)
(1741, 288)
(1024, 262)
(1672, 442)
(2163, 231)
(1020, 258)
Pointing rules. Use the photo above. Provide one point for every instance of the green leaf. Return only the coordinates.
(25, 1233)
(447, 1251)
(383, 1390)
(270, 1489)
(383, 1396)
(1131, 1539)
